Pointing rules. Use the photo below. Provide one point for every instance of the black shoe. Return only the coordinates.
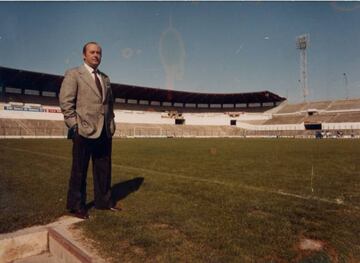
(81, 213)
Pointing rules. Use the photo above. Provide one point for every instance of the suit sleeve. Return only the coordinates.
(67, 98)
(112, 101)
(110, 96)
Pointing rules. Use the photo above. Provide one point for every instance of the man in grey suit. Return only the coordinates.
(86, 101)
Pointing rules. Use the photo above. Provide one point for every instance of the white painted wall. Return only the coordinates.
(127, 116)
(207, 119)
(144, 117)
(254, 117)
(341, 126)
(141, 117)
(278, 127)
(10, 114)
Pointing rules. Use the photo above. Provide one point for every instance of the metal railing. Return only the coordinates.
(22, 132)
(176, 132)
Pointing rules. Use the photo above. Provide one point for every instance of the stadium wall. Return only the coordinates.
(33, 120)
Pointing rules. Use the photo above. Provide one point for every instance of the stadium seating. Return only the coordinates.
(163, 130)
(27, 127)
(346, 117)
(134, 120)
(337, 105)
(292, 108)
(320, 118)
(50, 101)
(353, 104)
(285, 119)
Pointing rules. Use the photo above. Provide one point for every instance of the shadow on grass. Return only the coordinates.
(121, 190)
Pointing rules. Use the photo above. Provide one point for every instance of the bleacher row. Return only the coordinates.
(35, 128)
(44, 128)
(143, 121)
(337, 105)
(340, 117)
(146, 130)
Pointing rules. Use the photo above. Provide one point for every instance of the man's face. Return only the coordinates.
(92, 55)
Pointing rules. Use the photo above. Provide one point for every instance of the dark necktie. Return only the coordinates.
(97, 82)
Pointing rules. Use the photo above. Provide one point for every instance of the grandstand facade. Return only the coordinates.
(29, 108)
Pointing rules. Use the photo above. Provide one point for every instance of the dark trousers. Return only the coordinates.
(100, 152)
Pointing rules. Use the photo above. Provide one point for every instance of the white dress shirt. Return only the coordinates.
(90, 69)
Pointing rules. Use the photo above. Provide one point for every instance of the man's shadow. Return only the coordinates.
(121, 190)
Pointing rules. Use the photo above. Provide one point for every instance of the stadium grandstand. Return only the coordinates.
(29, 108)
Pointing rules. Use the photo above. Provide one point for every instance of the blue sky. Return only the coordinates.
(215, 47)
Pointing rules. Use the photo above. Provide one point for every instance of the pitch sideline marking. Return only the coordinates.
(254, 188)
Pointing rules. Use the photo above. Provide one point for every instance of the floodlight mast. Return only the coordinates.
(346, 85)
(302, 43)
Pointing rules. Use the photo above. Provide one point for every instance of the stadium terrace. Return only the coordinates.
(29, 108)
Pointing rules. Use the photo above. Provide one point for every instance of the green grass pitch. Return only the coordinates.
(200, 200)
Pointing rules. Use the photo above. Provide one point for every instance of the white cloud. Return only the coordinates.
(127, 52)
(238, 50)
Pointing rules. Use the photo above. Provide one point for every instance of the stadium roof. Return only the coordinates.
(23, 79)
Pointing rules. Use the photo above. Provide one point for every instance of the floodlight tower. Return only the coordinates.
(302, 43)
(346, 85)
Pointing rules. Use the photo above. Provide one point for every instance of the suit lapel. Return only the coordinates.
(87, 78)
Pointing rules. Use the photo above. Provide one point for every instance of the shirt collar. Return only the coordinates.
(90, 69)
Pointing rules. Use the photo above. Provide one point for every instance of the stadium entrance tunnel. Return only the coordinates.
(313, 126)
(179, 121)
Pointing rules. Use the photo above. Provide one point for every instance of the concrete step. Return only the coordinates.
(54, 243)
(42, 258)
(66, 250)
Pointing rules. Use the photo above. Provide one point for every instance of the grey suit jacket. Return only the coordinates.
(81, 103)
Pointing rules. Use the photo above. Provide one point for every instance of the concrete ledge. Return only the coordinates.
(68, 246)
(42, 258)
(23, 243)
(65, 250)
(30, 241)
